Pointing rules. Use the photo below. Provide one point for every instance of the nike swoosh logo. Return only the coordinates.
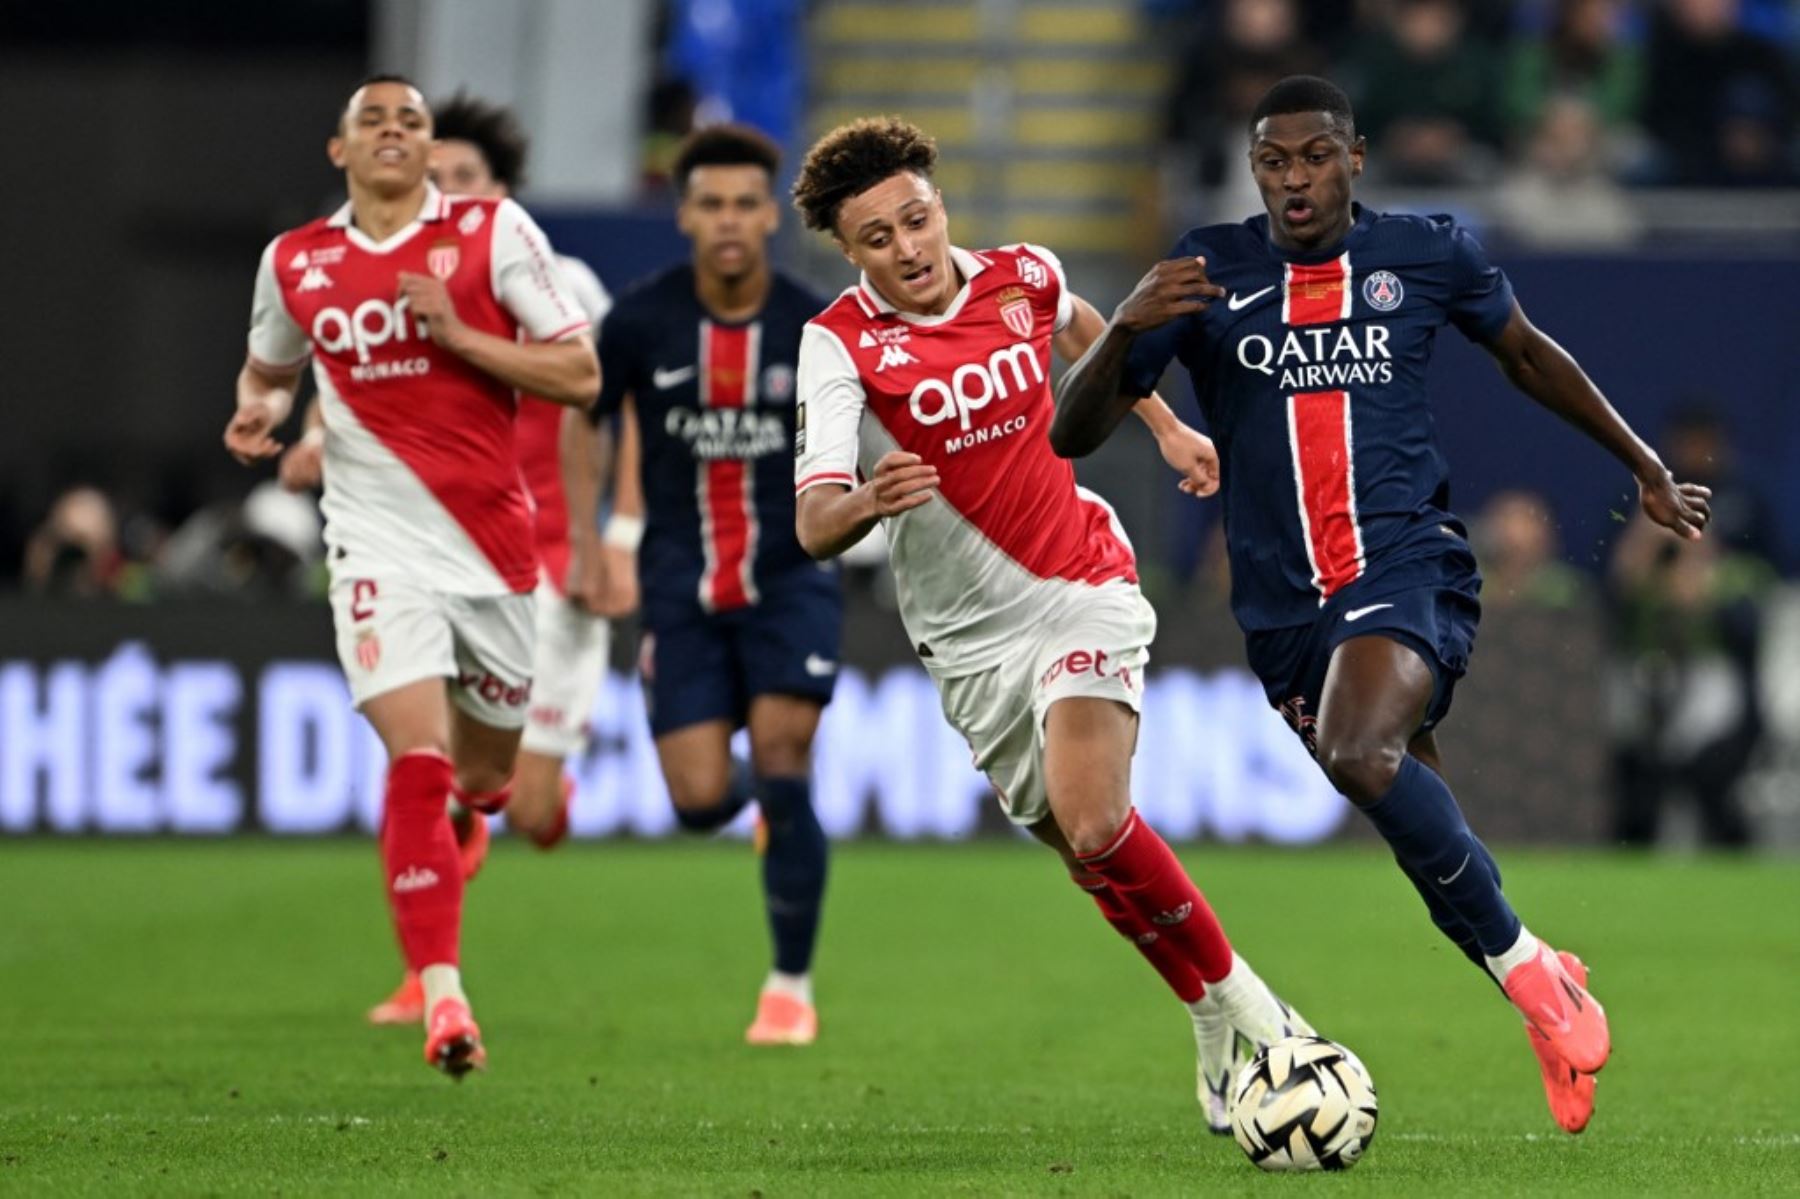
(1236, 302)
(1358, 613)
(1445, 882)
(666, 379)
(819, 667)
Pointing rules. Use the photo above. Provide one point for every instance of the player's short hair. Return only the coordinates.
(724, 146)
(1305, 93)
(491, 129)
(853, 158)
(371, 81)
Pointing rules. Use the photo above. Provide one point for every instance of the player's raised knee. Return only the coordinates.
(1362, 770)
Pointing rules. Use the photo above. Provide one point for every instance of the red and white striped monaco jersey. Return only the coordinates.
(421, 478)
(1009, 532)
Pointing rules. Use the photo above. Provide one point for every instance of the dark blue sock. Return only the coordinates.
(705, 820)
(1421, 822)
(1448, 922)
(793, 870)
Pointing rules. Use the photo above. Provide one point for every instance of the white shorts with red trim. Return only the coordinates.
(390, 634)
(572, 646)
(1093, 643)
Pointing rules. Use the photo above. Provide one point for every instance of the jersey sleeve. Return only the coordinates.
(527, 280)
(275, 339)
(618, 365)
(1481, 297)
(590, 294)
(1065, 300)
(828, 414)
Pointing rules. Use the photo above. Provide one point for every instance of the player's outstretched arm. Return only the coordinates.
(563, 372)
(1548, 374)
(830, 518)
(265, 396)
(1091, 400)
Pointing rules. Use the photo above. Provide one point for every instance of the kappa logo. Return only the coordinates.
(315, 279)
(893, 356)
(1033, 273)
(471, 220)
(1174, 915)
(415, 878)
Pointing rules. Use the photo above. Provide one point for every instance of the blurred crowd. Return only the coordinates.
(1560, 104)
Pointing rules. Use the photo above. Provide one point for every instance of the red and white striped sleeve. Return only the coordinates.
(829, 412)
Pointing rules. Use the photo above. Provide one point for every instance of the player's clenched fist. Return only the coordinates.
(249, 435)
(1174, 287)
(430, 302)
(902, 482)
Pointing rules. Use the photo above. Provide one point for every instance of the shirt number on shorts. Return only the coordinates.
(362, 599)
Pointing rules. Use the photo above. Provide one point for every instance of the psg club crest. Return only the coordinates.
(778, 383)
(1383, 291)
(442, 258)
(1015, 310)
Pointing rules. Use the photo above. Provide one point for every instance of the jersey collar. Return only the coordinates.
(1361, 219)
(873, 303)
(435, 208)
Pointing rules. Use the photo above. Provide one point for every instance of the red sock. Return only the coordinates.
(1168, 959)
(486, 802)
(1147, 880)
(418, 852)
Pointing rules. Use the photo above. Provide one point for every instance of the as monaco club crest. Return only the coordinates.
(1015, 310)
(368, 650)
(442, 258)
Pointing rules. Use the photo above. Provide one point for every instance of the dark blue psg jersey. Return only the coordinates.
(1311, 375)
(715, 405)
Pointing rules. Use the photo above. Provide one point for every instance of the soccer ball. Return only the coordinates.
(1303, 1103)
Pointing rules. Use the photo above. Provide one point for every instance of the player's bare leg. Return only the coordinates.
(1145, 894)
(704, 784)
(1376, 694)
(794, 857)
(422, 867)
(539, 807)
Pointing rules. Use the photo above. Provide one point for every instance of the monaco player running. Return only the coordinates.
(481, 151)
(411, 305)
(928, 382)
(741, 628)
(1355, 586)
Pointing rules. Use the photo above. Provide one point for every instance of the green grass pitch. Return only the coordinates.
(187, 1019)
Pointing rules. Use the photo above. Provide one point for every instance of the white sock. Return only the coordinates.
(441, 982)
(1522, 951)
(797, 986)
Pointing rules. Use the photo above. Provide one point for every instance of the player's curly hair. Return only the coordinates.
(1305, 93)
(491, 129)
(853, 158)
(726, 145)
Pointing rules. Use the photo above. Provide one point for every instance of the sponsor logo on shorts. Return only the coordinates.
(495, 690)
(1092, 662)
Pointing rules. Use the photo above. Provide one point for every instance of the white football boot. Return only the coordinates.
(1236, 1017)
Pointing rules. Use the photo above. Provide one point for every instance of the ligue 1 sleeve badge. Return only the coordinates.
(1383, 292)
(1015, 310)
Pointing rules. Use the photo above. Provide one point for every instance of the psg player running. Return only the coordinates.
(1308, 332)
(741, 628)
(926, 406)
(411, 306)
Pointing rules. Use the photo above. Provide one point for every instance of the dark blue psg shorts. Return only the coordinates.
(1430, 604)
(708, 666)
